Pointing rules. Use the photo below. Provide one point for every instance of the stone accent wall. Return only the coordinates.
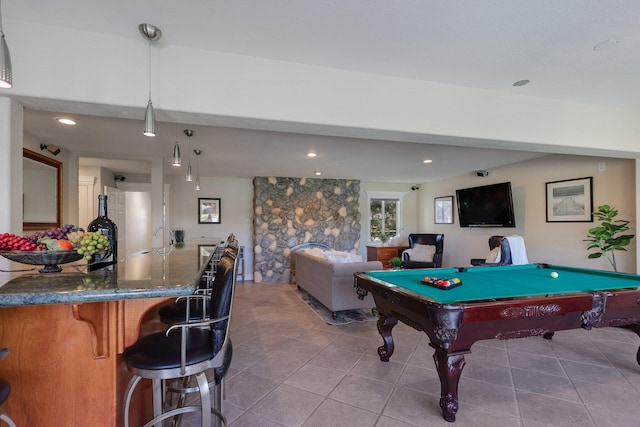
(291, 211)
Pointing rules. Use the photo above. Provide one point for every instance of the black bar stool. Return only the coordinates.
(188, 349)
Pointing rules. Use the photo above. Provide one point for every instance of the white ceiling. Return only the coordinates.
(486, 44)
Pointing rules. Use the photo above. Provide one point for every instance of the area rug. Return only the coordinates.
(343, 317)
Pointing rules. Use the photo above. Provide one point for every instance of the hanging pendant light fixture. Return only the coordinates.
(189, 133)
(6, 77)
(189, 174)
(177, 160)
(197, 152)
(151, 33)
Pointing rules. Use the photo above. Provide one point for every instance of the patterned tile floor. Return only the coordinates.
(291, 369)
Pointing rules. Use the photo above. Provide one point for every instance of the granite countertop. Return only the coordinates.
(147, 274)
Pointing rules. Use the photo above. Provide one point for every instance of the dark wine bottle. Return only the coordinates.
(108, 228)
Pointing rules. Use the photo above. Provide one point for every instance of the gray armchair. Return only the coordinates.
(436, 240)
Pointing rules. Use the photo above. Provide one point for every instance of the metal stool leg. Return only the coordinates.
(181, 400)
(127, 401)
(7, 420)
(157, 399)
(205, 399)
(218, 392)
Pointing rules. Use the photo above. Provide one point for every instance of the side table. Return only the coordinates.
(384, 254)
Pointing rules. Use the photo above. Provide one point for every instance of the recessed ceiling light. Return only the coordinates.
(318, 173)
(521, 83)
(65, 121)
(311, 154)
(427, 161)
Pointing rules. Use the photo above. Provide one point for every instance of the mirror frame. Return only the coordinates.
(58, 166)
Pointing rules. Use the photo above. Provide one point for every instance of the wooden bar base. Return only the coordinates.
(65, 362)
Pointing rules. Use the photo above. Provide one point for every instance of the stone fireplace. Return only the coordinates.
(292, 211)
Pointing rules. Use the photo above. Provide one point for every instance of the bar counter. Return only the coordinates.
(66, 333)
(147, 274)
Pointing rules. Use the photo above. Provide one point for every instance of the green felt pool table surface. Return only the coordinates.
(483, 283)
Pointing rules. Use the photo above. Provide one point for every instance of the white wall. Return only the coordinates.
(559, 243)
(236, 195)
(138, 222)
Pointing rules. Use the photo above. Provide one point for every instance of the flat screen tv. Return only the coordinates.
(486, 206)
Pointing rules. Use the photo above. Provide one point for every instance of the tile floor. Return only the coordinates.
(291, 369)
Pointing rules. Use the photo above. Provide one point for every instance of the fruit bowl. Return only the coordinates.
(50, 259)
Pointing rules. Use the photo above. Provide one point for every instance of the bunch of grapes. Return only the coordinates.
(54, 233)
(92, 243)
(11, 242)
(75, 237)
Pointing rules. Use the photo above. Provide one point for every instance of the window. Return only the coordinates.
(384, 215)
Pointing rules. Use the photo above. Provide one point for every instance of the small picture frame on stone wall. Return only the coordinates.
(209, 211)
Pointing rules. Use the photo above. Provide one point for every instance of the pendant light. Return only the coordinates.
(189, 133)
(197, 152)
(151, 33)
(6, 77)
(177, 160)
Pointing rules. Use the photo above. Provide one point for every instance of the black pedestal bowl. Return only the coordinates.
(49, 259)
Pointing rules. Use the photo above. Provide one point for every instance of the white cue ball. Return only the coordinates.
(554, 275)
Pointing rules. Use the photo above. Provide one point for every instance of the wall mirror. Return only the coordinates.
(42, 191)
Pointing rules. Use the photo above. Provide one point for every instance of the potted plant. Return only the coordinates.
(607, 238)
(395, 262)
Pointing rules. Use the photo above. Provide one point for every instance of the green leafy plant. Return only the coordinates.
(395, 262)
(607, 238)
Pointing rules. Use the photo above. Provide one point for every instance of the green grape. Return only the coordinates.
(91, 243)
(75, 237)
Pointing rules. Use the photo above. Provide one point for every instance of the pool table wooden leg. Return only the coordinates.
(449, 368)
(385, 325)
(635, 327)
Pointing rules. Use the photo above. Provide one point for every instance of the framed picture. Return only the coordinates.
(570, 200)
(443, 210)
(208, 211)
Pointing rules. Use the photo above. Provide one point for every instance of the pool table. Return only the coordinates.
(496, 302)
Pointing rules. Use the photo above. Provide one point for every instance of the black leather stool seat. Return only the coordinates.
(5, 390)
(158, 351)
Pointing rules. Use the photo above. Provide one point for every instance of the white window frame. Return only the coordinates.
(389, 195)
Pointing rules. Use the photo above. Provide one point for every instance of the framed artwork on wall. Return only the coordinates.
(443, 210)
(570, 200)
(208, 211)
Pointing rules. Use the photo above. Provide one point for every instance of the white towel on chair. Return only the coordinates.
(518, 251)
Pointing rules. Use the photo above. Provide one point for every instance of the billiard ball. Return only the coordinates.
(554, 275)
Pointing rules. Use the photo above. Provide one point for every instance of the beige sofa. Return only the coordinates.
(331, 283)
